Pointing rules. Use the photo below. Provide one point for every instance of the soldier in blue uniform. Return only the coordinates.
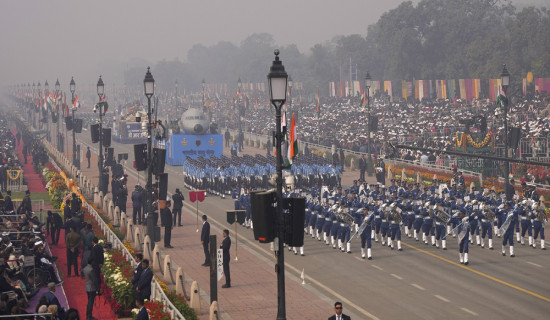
(486, 226)
(526, 225)
(365, 234)
(394, 218)
(384, 224)
(539, 219)
(327, 225)
(418, 219)
(463, 235)
(334, 227)
(440, 230)
(427, 223)
(508, 233)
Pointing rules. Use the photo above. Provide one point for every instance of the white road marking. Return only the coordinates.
(534, 264)
(377, 267)
(359, 258)
(441, 298)
(417, 286)
(469, 311)
(396, 276)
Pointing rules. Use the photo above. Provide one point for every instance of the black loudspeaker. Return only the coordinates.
(140, 155)
(110, 157)
(263, 215)
(77, 125)
(295, 210)
(69, 123)
(159, 159)
(514, 135)
(373, 123)
(163, 186)
(94, 130)
(106, 137)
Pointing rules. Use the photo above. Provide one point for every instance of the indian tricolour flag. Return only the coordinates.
(292, 141)
(76, 104)
(502, 98)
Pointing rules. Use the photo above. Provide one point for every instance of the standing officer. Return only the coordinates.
(167, 221)
(205, 239)
(88, 156)
(225, 246)
(136, 204)
(178, 199)
(73, 241)
(362, 168)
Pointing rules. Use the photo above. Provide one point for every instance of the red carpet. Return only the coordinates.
(34, 181)
(74, 286)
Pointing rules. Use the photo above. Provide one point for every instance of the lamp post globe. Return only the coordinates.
(100, 87)
(149, 90)
(57, 87)
(278, 81)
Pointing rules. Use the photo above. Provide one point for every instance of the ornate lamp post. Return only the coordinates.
(72, 85)
(277, 78)
(57, 89)
(368, 83)
(505, 82)
(100, 92)
(149, 87)
(46, 92)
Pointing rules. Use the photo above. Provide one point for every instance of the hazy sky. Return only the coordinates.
(45, 40)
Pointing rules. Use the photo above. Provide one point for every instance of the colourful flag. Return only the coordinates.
(502, 98)
(293, 141)
(318, 104)
(76, 104)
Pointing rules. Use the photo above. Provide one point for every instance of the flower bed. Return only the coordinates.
(117, 273)
(427, 175)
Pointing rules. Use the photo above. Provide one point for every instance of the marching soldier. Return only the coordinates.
(507, 229)
(463, 235)
(395, 218)
(365, 234)
(539, 219)
(487, 217)
(526, 226)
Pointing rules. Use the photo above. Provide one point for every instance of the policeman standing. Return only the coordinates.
(178, 199)
(167, 221)
(225, 246)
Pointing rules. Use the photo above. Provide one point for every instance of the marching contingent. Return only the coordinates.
(376, 213)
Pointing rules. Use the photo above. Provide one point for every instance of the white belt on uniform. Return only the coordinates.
(484, 220)
(327, 219)
(523, 218)
(342, 224)
(418, 216)
(439, 223)
(384, 220)
(320, 216)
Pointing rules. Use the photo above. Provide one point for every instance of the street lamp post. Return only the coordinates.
(277, 78)
(100, 93)
(239, 111)
(39, 95)
(57, 88)
(73, 87)
(149, 87)
(46, 92)
(368, 83)
(290, 95)
(505, 82)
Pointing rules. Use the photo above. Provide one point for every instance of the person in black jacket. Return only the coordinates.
(137, 271)
(76, 204)
(54, 224)
(143, 287)
(178, 199)
(225, 246)
(166, 216)
(205, 239)
(8, 203)
(142, 314)
(97, 257)
(26, 203)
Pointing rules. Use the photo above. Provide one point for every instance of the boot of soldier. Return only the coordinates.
(376, 237)
(372, 235)
(399, 245)
(461, 258)
(327, 241)
(369, 253)
(530, 240)
(289, 248)
(324, 237)
(477, 240)
(362, 253)
(302, 251)
(521, 240)
(332, 242)
(295, 251)
(465, 258)
(251, 225)
(444, 244)
(542, 247)
(390, 244)
(311, 232)
(348, 247)
(424, 238)
(407, 231)
(415, 234)
(318, 235)
(449, 230)
(517, 236)
(490, 244)
(471, 240)
(437, 244)
(495, 231)
(482, 243)
(339, 244)
(344, 246)
(512, 251)
(503, 251)
(433, 240)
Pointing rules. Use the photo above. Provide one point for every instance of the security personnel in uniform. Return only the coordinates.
(178, 199)
(167, 221)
